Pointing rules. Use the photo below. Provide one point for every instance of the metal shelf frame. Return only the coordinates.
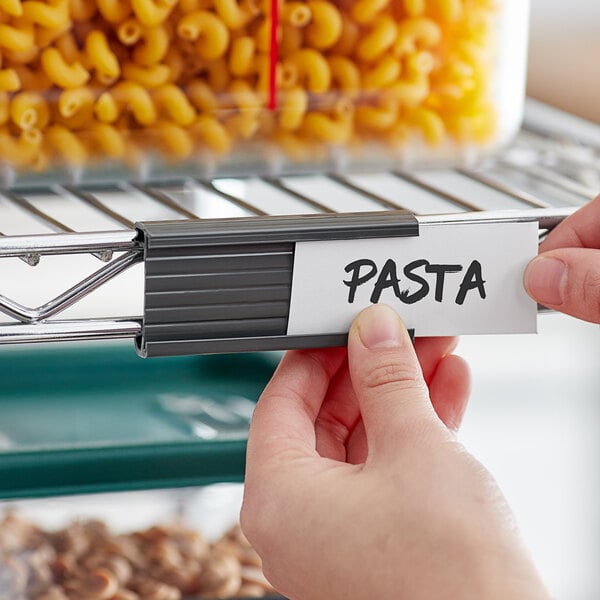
(551, 168)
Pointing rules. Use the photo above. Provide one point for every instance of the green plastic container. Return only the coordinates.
(97, 418)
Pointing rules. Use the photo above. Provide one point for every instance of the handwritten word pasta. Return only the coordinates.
(85, 81)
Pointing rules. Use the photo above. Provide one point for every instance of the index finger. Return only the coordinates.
(284, 418)
(580, 230)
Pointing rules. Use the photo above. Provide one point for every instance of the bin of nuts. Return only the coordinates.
(94, 88)
(150, 545)
(86, 561)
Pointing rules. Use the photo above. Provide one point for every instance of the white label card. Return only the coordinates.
(451, 279)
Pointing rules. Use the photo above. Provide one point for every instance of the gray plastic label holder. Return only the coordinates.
(224, 285)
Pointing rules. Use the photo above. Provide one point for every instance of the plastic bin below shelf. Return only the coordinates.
(94, 419)
(168, 544)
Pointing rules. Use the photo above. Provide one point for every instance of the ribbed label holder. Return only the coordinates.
(224, 285)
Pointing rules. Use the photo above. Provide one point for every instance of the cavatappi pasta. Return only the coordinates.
(82, 81)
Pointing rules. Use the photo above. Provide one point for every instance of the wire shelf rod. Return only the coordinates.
(161, 198)
(48, 220)
(240, 202)
(564, 154)
(384, 202)
(69, 243)
(37, 213)
(436, 191)
(30, 258)
(555, 178)
(505, 188)
(73, 330)
(547, 218)
(556, 124)
(70, 296)
(89, 198)
(282, 187)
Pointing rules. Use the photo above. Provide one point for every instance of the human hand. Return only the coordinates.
(566, 274)
(357, 489)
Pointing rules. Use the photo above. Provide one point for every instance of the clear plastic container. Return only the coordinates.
(91, 90)
(161, 545)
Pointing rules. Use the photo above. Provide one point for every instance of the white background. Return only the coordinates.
(564, 65)
(534, 417)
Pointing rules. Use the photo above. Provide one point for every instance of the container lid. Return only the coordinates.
(97, 418)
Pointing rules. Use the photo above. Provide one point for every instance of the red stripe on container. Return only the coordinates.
(273, 55)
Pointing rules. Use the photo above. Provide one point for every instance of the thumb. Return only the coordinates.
(387, 379)
(567, 280)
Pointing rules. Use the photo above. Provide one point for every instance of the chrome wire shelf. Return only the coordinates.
(551, 168)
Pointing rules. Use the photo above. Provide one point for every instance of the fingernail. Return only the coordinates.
(380, 327)
(544, 279)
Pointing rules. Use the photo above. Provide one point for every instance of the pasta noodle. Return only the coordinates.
(415, 7)
(293, 109)
(29, 110)
(217, 74)
(129, 32)
(292, 39)
(202, 96)
(408, 92)
(68, 48)
(413, 33)
(241, 56)
(385, 73)
(64, 142)
(377, 117)
(349, 36)
(72, 101)
(9, 80)
(91, 80)
(212, 133)
(152, 13)
(171, 100)
(101, 56)
(245, 122)
(381, 37)
(233, 14)
(176, 65)
(296, 14)
(132, 97)
(325, 27)
(148, 77)
(430, 123)
(153, 47)
(313, 68)
(45, 37)
(17, 39)
(210, 33)
(346, 75)
(262, 35)
(243, 125)
(187, 6)
(108, 139)
(296, 147)
(13, 8)
(50, 16)
(449, 10)
(20, 151)
(82, 10)
(61, 73)
(365, 11)
(326, 129)
(114, 11)
(4, 108)
(175, 140)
